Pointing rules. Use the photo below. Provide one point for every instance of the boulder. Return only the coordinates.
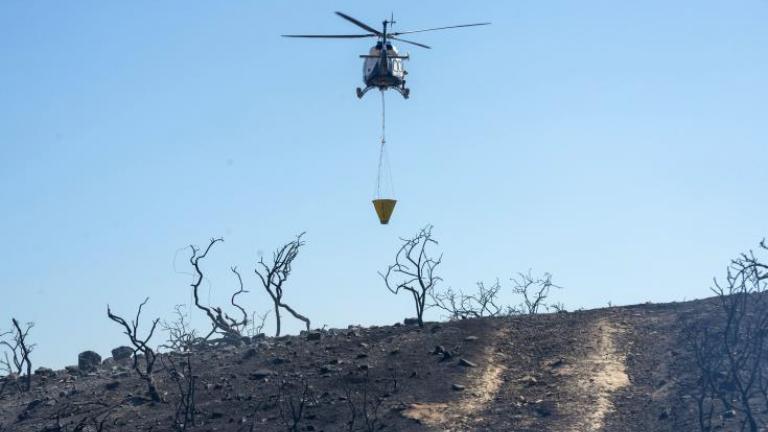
(45, 371)
(122, 352)
(88, 361)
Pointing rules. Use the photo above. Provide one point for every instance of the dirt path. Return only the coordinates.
(595, 377)
(595, 371)
(484, 382)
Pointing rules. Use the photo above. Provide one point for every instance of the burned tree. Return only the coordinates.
(365, 400)
(462, 306)
(181, 335)
(294, 396)
(221, 322)
(274, 274)
(534, 290)
(18, 362)
(140, 346)
(414, 270)
(180, 372)
(730, 346)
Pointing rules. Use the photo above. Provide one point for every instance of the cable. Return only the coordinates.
(383, 142)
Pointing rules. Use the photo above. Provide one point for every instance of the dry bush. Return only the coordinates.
(484, 302)
(534, 291)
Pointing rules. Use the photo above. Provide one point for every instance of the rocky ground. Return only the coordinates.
(614, 369)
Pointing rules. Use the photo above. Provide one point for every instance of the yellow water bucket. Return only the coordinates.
(384, 208)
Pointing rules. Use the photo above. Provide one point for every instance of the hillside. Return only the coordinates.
(613, 369)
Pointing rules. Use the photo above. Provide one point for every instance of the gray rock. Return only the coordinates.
(45, 371)
(261, 374)
(88, 361)
(458, 387)
(122, 352)
(470, 338)
(467, 363)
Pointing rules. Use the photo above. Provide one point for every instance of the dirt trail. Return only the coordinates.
(484, 383)
(596, 377)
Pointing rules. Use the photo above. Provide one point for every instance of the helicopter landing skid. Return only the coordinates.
(405, 92)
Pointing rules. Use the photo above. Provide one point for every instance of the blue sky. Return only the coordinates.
(621, 147)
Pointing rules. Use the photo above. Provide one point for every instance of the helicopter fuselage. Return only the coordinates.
(384, 68)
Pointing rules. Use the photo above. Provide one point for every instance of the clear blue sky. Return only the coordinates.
(621, 146)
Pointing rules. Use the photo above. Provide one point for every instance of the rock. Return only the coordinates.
(411, 321)
(528, 380)
(261, 374)
(45, 371)
(458, 387)
(88, 361)
(543, 410)
(557, 363)
(314, 336)
(250, 353)
(466, 363)
(122, 352)
(470, 338)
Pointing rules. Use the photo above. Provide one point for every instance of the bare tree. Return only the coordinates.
(140, 346)
(181, 335)
(274, 274)
(293, 398)
(20, 349)
(364, 402)
(414, 270)
(482, 303)
(221, 322)
(258, 321)
(180, 372)
(731, 346)
(534, 290)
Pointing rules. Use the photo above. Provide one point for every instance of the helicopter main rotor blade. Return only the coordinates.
(411, 42)
(331, 36)
(358, 23)
(439, 28)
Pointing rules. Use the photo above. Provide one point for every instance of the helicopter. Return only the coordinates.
(383, 66)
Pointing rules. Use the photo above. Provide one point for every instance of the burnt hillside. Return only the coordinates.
(614, 369)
